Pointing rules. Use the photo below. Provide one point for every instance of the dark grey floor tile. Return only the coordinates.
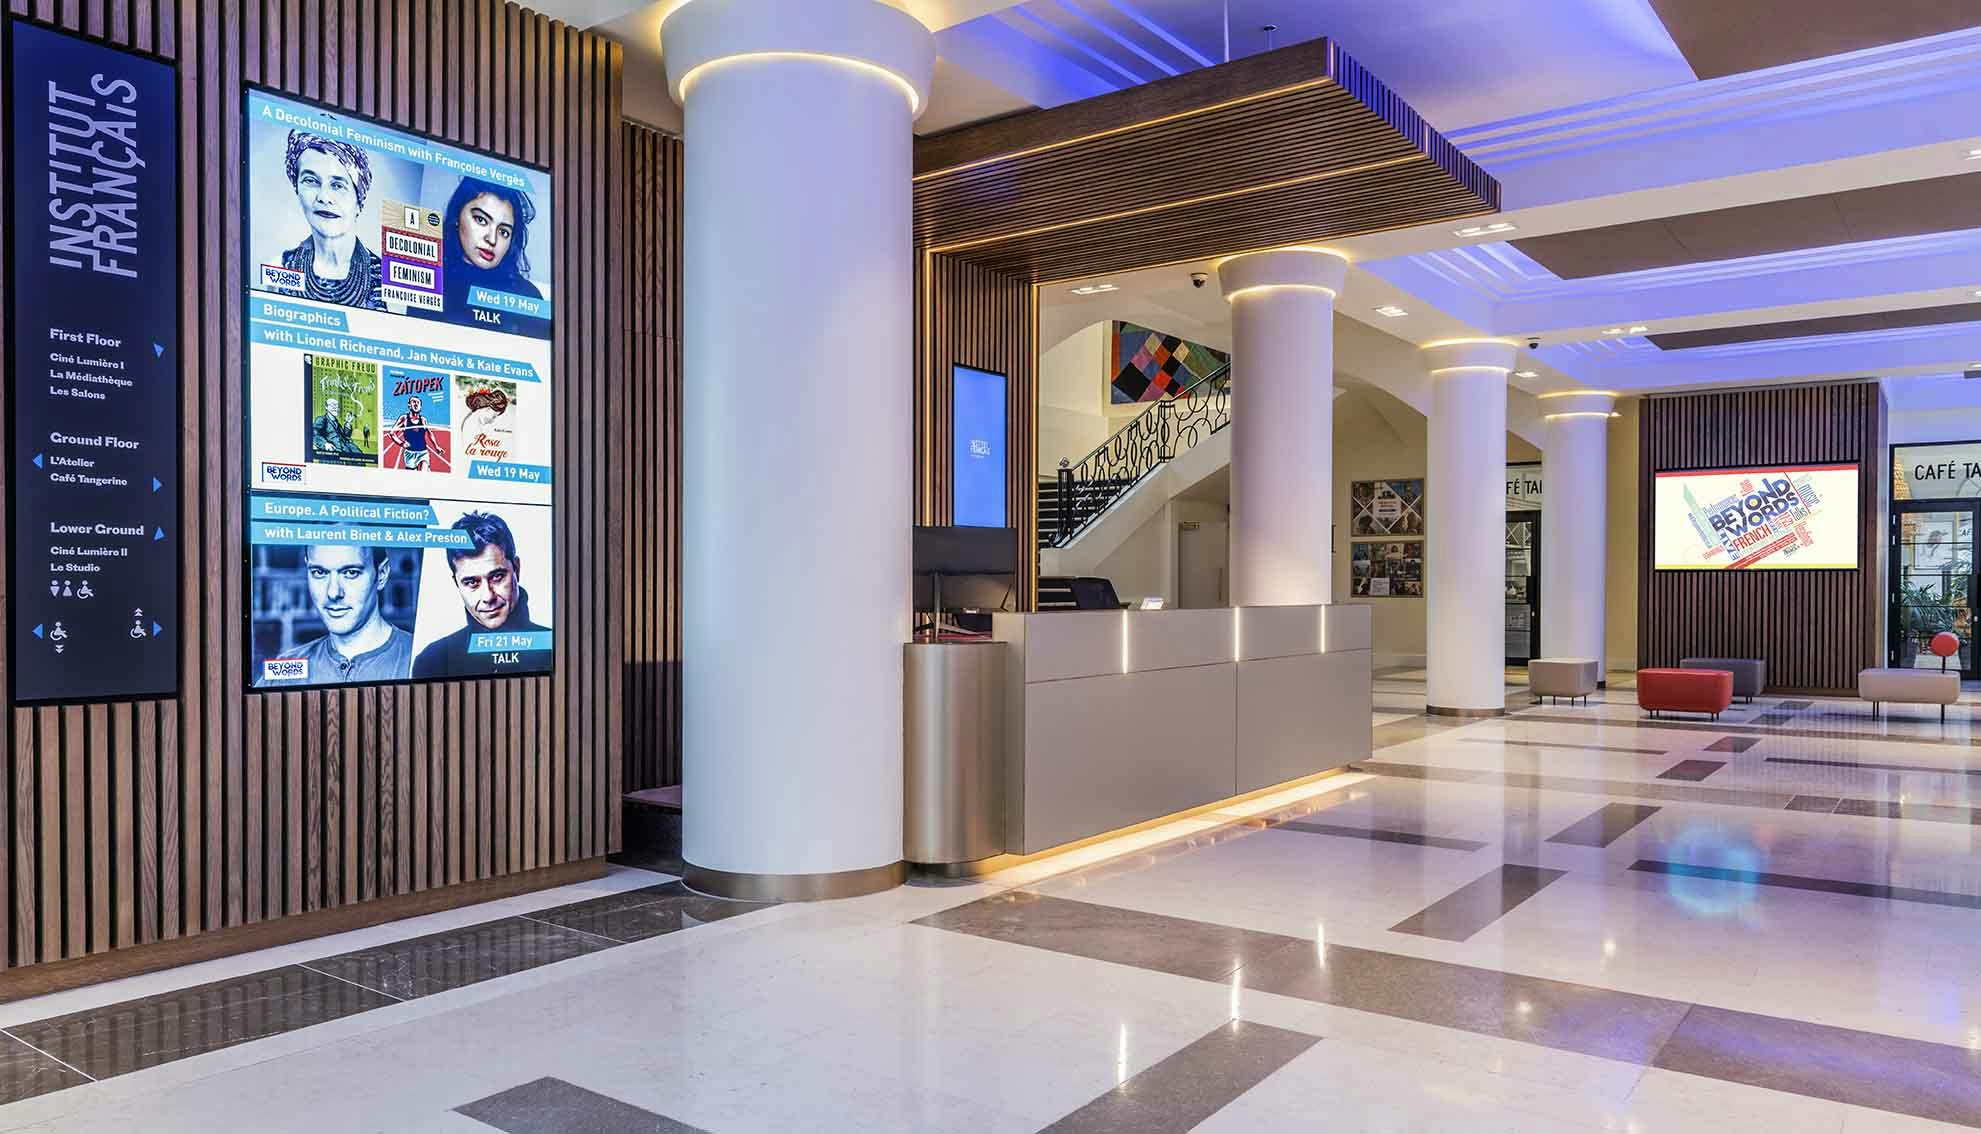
(1549, 1013)
(1626, 789)
(1691, 771)
(1188, 1087)
(460, 957)
(1478, 903)
(1198, 949)
(25, 1072)
(1875, 808)
(635, 915)
(121, 1038)
(1871, 766)
(1818, 885)
(1773, 718)
(1902, 1076)
(1821, 803)
(1795, 706)
(1410, 838)
(1865, 728)
(1607, 825)
(553, 1106)
(1554, 744)
(1733, 744)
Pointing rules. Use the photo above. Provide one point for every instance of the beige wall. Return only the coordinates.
(1620, 632)
(1073, 416)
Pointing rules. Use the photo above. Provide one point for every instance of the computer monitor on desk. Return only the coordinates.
(964, 569)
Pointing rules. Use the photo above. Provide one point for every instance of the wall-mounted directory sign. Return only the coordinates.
(93, 354)
(398, 323)
(1947, 471)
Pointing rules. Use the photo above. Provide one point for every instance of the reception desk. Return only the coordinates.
(1114, 718)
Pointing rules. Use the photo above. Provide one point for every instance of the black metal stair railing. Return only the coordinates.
(1086, 489)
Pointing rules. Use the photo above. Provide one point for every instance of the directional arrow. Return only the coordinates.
(158, 535)
(37, 629)
(155, 485)
(156, 629)
(37, 460)
(157, 351)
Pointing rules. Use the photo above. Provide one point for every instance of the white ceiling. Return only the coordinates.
(1587, 115)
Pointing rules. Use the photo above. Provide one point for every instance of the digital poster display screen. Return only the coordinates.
(93, 369)
(398, 346)
(1784, 517)
(977, 459)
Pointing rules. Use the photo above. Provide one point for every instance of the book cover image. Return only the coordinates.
(343, 410)
(488, 418)
(414, 413)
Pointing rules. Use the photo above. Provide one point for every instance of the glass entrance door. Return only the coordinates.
(1932, 586)
(1523, 587)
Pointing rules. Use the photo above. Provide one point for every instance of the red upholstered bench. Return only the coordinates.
(1684, 691)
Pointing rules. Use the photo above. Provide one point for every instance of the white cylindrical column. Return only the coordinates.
(1282, 423)
(796, 471)
(1465, 528)
(1574, 519)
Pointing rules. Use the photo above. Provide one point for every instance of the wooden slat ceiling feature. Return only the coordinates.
(1825, 325)
(1720, 38)
(1293, 146)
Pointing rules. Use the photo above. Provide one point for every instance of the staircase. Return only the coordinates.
(1081, 493)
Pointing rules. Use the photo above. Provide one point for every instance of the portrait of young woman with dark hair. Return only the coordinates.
(485, 241)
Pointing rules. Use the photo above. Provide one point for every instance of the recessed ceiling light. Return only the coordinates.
(1974, 155)
(1612, 330)
(1483, 229)
(1639, 329)
(1526, 374)
(1392, 311)
(1094, 289)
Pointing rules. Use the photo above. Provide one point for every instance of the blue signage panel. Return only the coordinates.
(977, 458)
(93, 349)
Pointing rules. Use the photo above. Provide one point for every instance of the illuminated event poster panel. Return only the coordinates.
(977, 457)
(93, 369)
(1778, 517)
(399, 404)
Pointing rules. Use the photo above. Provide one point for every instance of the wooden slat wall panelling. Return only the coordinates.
(969, 315)
(1815, 629)
(647, 520)
(133, 824)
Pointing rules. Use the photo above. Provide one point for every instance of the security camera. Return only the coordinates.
(1533, 344)
(1199, 279)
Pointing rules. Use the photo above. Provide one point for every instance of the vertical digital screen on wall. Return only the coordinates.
(1767, 518)
(398, 327)
(93, 338)
(977, 460)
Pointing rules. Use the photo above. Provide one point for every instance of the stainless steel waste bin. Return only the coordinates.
(954, 716)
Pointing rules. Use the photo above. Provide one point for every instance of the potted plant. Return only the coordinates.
(1922, 614)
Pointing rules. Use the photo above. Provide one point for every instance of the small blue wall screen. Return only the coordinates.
(977, 459)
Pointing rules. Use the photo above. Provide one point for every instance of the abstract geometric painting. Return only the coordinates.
(1148, 366)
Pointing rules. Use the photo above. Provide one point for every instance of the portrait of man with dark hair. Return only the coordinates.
(347, 587)
(488, 577)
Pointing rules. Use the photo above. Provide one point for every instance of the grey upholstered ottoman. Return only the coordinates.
(1562, 677)
(1750, 675)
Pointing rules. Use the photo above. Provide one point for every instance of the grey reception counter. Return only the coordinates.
(1115, 718)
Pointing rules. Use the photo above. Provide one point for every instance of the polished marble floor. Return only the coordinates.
(1567, 919)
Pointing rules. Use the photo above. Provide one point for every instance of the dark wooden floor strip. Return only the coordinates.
(1691, 771)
